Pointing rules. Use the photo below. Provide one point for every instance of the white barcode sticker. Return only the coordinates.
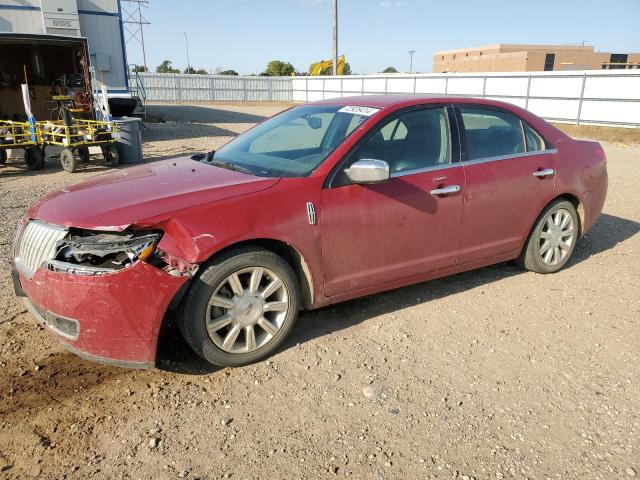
(357, 110)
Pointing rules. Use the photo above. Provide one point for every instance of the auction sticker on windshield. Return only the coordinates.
(356, 110)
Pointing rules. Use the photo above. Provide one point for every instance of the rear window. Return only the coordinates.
(492, 133)
(535, 142)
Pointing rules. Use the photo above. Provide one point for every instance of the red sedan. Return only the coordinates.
(322, 203)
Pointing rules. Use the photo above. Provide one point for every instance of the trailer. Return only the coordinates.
(21, 136)
(98, 22)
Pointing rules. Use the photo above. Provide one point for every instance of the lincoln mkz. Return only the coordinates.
(322, 203)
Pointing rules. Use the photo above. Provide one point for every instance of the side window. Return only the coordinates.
(492, 133)
(394, 130)
(535, 142)
(412, 141)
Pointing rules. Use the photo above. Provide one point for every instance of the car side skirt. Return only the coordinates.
(504, 257)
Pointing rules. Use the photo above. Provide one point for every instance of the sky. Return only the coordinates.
(245, 35)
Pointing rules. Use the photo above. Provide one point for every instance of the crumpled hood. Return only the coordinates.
(118, 199)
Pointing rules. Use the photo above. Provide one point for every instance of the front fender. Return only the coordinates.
(194, 235)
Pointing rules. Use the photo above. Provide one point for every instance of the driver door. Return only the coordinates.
(373, 234)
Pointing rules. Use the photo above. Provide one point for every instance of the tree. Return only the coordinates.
(191, 70)
(139, 69)
(390, 70)
(278, 68)
(166, 67)
(228, 72)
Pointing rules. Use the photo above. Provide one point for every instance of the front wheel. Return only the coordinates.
(68, 160)
(34, 158)
(553, 238)
(241, 307)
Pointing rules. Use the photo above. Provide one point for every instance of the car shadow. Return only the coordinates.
(176, 356)
(608, 232)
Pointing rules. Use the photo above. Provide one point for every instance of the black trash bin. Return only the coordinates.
(129, 142)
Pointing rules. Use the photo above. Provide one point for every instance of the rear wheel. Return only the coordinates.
(241, 307)
(3, 157)
(34, 158)
(553, 238)
(68, 160)
(83, 153)
(111, 155)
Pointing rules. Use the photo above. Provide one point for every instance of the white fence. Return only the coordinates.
(163, 87)
(587, 97)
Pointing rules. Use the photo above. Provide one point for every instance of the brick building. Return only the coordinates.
(531, 58)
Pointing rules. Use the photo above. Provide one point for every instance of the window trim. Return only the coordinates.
(509, 157)
(549, 148)
(454, 132)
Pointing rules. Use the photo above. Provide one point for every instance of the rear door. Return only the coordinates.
(510, 175)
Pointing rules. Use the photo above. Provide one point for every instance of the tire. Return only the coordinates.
(111, 155)
(217, 322)
(68, 160)
(83, 153)
(34, 158)
(3, 157)
(549, 245)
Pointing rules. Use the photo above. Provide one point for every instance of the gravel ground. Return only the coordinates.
(491, 374)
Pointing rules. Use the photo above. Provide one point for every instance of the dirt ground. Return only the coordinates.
(490, 374)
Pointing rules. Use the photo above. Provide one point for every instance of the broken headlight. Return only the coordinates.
(102, 252)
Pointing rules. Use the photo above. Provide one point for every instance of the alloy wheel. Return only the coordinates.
(556, 237)
(247, 310)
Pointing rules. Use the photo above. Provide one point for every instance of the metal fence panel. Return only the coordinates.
(167, 87)
(591, 96)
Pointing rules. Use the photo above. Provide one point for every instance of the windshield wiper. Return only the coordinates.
(228, 165)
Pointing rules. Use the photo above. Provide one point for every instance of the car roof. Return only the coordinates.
(395, 100)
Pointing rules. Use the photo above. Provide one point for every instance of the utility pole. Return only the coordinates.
(186, 41)
(335, 37)
(133, 23)
(411, 52)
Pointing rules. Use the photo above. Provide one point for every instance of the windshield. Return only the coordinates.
(293, 143)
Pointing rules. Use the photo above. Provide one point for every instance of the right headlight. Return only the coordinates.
(102, 252)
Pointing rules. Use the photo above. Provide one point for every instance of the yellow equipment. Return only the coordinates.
(19, 135)
(78, 136)
(317, 68)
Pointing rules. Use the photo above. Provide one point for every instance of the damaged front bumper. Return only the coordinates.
(112, 318)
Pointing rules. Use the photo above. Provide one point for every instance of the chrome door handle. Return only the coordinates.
(445, 190)
(543, 173)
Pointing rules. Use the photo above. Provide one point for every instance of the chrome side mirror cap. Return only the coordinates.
(368, 170)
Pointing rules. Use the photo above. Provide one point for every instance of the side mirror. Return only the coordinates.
(314, 122)
(368, 170)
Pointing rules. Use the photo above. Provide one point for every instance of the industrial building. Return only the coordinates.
(97, 21)
(531, 58)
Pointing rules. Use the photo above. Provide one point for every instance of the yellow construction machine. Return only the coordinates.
(317, 68)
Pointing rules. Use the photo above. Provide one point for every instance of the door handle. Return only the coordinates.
(446, 190)
(543, 173)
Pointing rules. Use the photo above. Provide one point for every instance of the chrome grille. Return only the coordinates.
(36, 244)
